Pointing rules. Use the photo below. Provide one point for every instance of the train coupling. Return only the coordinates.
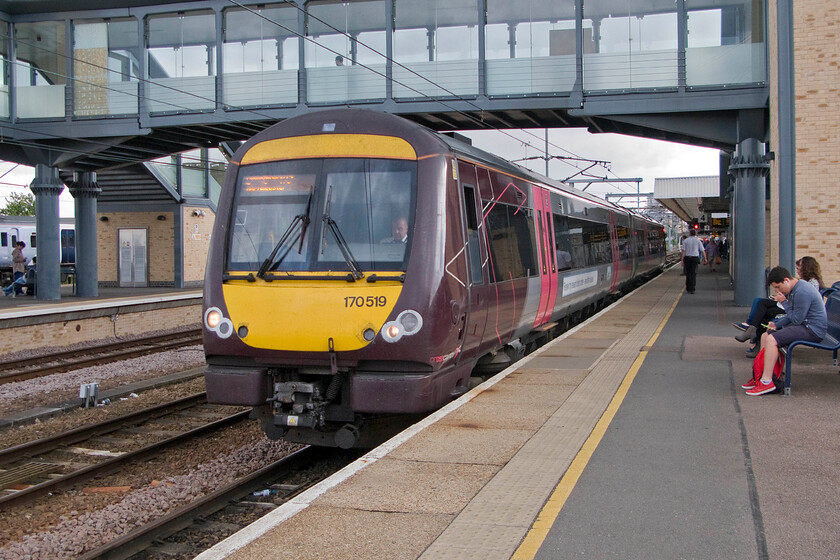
(295, 405)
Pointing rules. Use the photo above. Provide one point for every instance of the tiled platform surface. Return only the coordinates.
(689, 468)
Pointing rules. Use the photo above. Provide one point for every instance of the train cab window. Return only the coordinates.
(4, 239)
(323, 215)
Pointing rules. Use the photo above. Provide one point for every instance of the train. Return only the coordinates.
(22, 228)
(365, 269)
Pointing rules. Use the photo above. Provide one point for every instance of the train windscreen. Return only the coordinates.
(322, 215)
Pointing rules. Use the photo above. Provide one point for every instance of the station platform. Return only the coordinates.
(27, 323)
(627, 437)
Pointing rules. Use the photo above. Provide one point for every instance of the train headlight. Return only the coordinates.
(218, 323)
(408, 322)
(212, 318)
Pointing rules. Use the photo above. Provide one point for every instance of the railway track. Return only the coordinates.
(196, 517)
(33, 469)
(57, 362)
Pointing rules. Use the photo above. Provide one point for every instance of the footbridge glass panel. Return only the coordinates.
(530, 47)
(629, 44)
(181, 62)
(435, 49)
(345, 51)
(40, 69)
(5, 66)
(106, 67)
(260, 59)
(725, 43)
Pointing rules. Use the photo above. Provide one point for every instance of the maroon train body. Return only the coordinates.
(363, 266)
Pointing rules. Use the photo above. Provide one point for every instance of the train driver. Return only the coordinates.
(399, 231)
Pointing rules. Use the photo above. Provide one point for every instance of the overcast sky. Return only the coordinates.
(629, 157)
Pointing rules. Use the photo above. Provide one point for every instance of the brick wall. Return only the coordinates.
(817, 90)
(161, 244)
(816, 56)
(197, 233)
(65, 333)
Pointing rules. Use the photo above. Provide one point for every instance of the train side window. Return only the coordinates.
(473, 247)
(563, 244)
(14, 240)
(4, 239)
(510, 230)
(32, 241)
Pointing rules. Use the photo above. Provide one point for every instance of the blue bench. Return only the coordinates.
(831, 340)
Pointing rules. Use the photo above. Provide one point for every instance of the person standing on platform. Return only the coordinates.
(692, 252)
(712, 254)
(682, 254)
(18, 265)
(805, 319)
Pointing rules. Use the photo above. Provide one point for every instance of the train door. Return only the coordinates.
(548, 261)
(132, 264)
(68, 246)
(477, 259)
(616, 255)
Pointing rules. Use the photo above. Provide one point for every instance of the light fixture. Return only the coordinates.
(162, 218)
(103, 218)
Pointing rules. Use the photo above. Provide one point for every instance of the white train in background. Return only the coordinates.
(22, 228)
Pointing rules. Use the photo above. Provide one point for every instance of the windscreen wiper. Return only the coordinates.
(301, 220)
(352, 264)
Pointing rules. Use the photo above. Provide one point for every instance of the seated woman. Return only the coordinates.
(765, 310)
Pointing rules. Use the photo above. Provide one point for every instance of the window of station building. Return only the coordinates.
(106, 67)
(345, 51)
(5, 67)
(217, 166)
(260, 55)
(181, 62)
(194, 173)
(436, 46)
(725, 42)
(530, 47)
(510, 230)
(629, 44)
(40, 72)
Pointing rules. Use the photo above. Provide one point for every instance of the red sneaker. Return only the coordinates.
(749, 384)
(762, 389)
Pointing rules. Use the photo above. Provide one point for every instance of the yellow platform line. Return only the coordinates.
(548, 515)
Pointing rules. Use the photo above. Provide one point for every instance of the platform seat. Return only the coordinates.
(831, 340)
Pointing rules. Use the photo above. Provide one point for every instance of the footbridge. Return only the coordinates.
(127, 81)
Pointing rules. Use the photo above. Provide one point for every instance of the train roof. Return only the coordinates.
(424, 140)
(28, 220)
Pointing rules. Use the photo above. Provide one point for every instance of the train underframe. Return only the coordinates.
(361, 406)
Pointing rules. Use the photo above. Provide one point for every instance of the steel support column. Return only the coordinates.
(786, 152)
(85, 192)
(749, 246)
(46, 186)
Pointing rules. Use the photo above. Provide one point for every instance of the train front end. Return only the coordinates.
(314, 313)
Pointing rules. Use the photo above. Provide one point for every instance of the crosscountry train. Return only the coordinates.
(364, 268)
